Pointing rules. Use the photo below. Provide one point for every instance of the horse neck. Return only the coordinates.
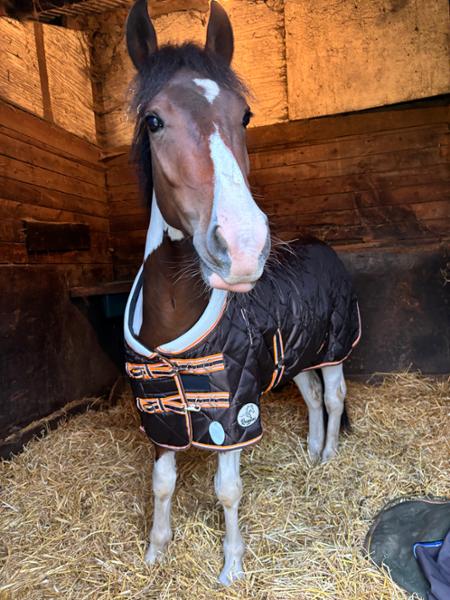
(174, 294)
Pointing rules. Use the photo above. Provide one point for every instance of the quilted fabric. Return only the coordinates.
(302, 314)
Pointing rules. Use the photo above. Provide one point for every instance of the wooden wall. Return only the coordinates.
(49, 352)
(50, 175)
(374, 179)
(300, 59)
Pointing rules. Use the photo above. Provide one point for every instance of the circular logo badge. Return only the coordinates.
(217, 433)
(248, 414)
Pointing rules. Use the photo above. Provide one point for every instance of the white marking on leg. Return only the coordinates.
(242, 223)
(228, 486)
(334, 396)
(210, 88)
(164, 479)
(156, 229)
(310, 387)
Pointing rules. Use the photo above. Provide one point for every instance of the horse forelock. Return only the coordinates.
(161, 67)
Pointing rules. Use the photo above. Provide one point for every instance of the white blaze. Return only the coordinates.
(243, 225)
(210, 88)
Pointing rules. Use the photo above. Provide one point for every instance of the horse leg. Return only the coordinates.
(310, 386)
(228, 486)
(335, 390)
(164, 478)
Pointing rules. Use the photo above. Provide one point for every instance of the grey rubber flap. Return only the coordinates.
(397, 527)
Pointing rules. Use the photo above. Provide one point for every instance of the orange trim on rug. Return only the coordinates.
(223, 448)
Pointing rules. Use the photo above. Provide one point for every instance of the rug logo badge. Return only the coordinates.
(248, 414)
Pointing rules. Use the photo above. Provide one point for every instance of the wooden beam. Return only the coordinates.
(43, 74)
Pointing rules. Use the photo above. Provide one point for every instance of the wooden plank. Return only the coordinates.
(329, 203)
(52, 135)
(121, 175)
(16, 169)
(128, 241)
(38, 196)
(332, 127)
(414, 138)
(68, 66)
(16, 135)
(129, 222)
(47, 237)
(18, 211)
(414, 213)
(74, 274)
(110, 287)
(360, 43)
(128, 246)
(355, 182)
(130, 206)
(382, 234)
(370, 164)
(19, 75)
(28, 153)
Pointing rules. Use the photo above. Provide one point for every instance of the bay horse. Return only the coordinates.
(215, 316)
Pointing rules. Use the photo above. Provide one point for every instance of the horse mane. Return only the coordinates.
(161, 67)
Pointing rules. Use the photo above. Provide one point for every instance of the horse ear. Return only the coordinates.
(219, 35)
(141, 35)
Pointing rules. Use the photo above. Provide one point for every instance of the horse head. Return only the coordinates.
(190, 136)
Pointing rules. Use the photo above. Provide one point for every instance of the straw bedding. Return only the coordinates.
(75, 505)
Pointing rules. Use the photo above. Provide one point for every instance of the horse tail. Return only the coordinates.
(346, 424)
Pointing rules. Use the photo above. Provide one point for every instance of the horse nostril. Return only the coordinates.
(266, 250)
(217, 246)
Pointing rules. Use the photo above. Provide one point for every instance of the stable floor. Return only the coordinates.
(75, 506)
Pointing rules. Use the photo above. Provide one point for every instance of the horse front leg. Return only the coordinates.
(310, 386)
(228, 486)
(334, 396)
(164, 479)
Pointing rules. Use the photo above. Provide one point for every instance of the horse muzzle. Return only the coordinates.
(236, 268)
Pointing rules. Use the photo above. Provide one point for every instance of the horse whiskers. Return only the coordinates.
(279, 244)
(189, 272)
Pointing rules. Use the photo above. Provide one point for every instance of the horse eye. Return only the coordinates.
(154, 123)
(246, 118)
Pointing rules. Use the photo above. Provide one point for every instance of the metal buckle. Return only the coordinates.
(193, 408)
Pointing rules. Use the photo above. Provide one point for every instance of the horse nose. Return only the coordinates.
(217, 247)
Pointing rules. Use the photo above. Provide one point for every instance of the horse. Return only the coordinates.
(218, 314)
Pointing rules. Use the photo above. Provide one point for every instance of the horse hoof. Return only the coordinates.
(328, 455)
(229, 576)
(314, 457)
(153, 555)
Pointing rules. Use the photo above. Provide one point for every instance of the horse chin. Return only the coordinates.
(216, 281)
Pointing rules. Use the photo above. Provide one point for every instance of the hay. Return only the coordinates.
(75, 505)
